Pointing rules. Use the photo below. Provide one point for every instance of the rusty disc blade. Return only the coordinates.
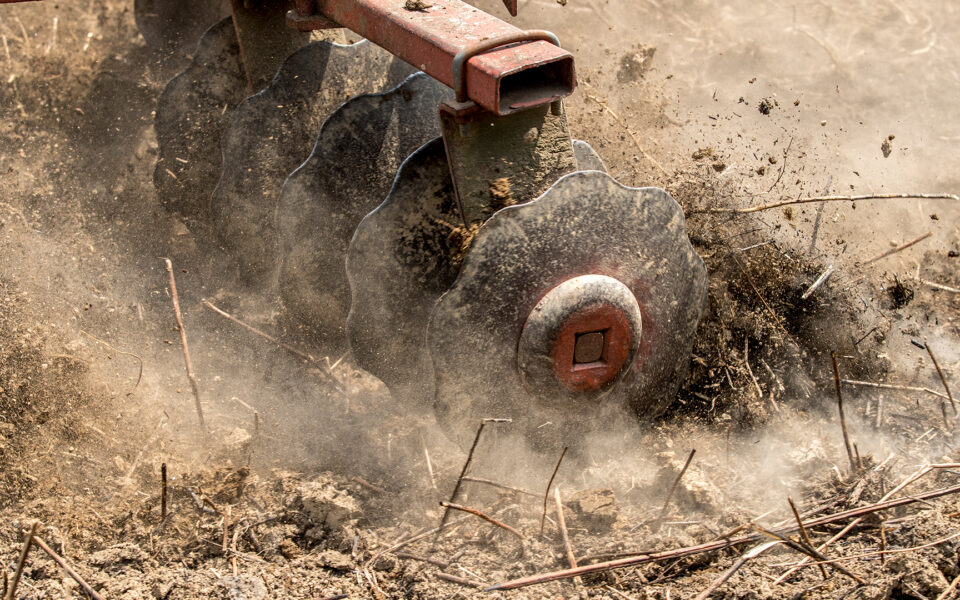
(354, 161)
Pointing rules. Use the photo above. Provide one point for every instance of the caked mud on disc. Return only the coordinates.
(587, 224)
(271, 133)
(354, 161)
(403, 257)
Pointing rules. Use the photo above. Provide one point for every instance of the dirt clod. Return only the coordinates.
(594, 509)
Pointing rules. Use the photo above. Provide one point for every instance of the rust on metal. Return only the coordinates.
(602, 335)
(510, 77)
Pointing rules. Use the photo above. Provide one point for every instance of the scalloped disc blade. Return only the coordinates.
(403, 257)
(191, 113)
(586, 224)
(355, 159)
(272, 132)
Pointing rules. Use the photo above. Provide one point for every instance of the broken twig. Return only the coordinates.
(562, 526)
(163, 492)
(327, 373)
(843, 419)
(482, 515)
(943, 378)
(644, 558)
(803, 531)
(183, 343)
(891, 386)
(820, 281)
(463, 471)
(753, 209)
(899, 248)
(546, 492)
(28, 541)
(676, 482)
(67, 569)
(733, 569)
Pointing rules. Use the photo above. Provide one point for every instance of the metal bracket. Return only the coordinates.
(496, 161)
(264, 41)
(460, 60)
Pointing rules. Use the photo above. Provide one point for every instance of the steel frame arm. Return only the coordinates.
(521, 72)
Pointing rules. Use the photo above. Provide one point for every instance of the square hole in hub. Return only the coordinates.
(588, 347)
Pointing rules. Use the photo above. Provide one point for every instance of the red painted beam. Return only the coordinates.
(503, 80)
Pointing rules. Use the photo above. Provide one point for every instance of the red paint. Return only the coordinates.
(531, 73)
(618, 337)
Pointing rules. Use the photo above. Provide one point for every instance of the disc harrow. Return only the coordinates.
(445, 227)
(349, 172)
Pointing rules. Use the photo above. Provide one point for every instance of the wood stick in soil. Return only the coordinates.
(546, 492)
(501, 486)
(183, 343)
(949, 591)
(843, 419)
(899, 248)
(892, 386)
(28, 541)
(463, 471)
(803, 532)
(812, 552)
(676, 482)
(323, 369)
(562, 526)
(733, 569)
(943, 378)
(645, 558)
(163, 493)
(482, 515)
(846, 529)
(761, 207)
(67, 569)
(458, 580)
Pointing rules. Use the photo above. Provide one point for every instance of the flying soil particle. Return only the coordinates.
(634, 65)
(900, 294)
(703, 153)
(416, 5)
(766, 105)
(887, 146)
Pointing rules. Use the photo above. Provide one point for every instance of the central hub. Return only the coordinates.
(580, 338)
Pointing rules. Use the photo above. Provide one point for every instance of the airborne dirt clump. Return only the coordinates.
(305, 489)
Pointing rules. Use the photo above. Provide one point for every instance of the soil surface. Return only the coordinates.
(308, 481)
